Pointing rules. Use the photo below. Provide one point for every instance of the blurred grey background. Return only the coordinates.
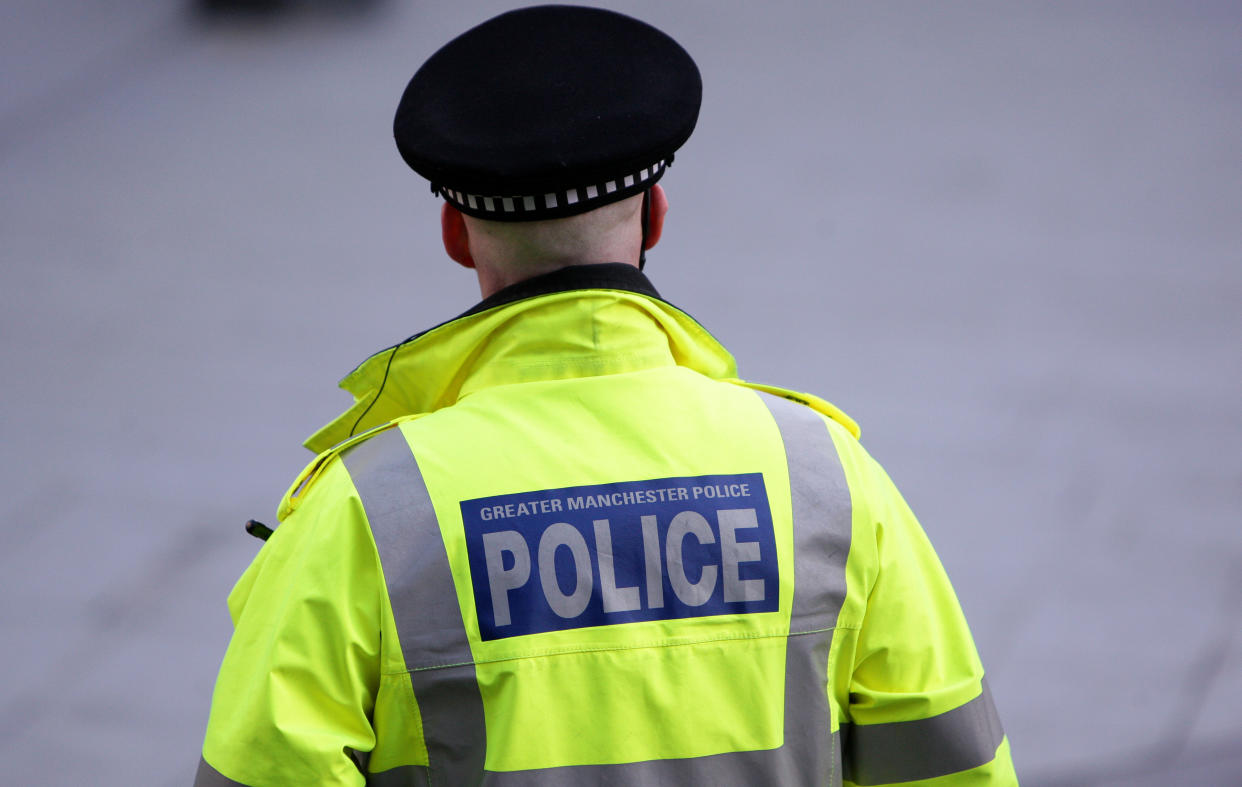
(1005, 237)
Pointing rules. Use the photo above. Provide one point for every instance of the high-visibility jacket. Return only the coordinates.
(556, 541)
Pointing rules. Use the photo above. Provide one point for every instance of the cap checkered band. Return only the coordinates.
(553, 204)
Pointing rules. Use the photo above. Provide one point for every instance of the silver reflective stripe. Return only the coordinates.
(405, 776)
(822, 515)
(733, 769)
(822, 528)
(424, 604)
(956, 740)
(207, 776)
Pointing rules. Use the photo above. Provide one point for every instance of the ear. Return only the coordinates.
(453, 233)
(657, 207)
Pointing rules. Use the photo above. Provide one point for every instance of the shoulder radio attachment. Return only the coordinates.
(259, 530)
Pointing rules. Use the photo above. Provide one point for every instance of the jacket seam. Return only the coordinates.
(611, 648)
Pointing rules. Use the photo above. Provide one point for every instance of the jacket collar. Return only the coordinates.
(579, 321)
(608, 276)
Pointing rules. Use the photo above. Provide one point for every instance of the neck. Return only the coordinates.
(505, 253)
(493, 279)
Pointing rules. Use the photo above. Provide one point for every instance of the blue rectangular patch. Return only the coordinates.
(558, 559)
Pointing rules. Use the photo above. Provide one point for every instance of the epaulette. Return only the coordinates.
(812, 401)
(312, 471)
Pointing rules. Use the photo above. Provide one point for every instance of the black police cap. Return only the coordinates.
(547, 112)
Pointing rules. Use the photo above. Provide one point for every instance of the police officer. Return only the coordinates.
(557, 540)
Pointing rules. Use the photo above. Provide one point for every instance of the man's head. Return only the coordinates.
(543, 129)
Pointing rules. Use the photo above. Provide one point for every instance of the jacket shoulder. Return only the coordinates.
(311, 473)
(821, 406)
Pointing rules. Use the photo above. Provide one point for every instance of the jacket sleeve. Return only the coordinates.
(296, 691)
(918, 710)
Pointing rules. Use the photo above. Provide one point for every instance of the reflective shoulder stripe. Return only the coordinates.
(207, 776)
(956, 740)
(822, 515)
(822, 529)
(424, 604)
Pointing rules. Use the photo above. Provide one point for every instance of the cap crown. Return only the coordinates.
(547, 99)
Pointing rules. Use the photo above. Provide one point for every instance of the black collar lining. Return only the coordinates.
(603, 276)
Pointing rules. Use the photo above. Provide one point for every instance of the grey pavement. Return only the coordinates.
(1005, 237)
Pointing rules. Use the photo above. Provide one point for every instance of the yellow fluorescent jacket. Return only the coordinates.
(556, 541)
